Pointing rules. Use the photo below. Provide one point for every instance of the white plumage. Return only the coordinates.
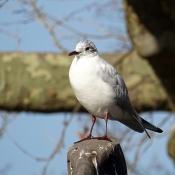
(101, 90)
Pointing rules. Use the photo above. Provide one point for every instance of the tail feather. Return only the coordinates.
(151, 127)
(147, 133)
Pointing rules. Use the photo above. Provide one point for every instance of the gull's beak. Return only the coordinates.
(73, 53)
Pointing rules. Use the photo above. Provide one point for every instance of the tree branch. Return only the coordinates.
(41, 82)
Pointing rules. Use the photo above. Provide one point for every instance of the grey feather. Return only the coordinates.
(112, 77)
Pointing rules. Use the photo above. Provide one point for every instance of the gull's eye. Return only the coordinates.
(87, 48)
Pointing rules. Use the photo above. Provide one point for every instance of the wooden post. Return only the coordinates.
(96, 157)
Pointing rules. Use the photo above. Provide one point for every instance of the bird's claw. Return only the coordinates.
(88, 137)
(92, 137)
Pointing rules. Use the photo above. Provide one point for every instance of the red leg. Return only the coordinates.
(106, 123)
(104, 137)
(89, 136)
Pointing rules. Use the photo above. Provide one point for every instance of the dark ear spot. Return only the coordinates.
(87, 48)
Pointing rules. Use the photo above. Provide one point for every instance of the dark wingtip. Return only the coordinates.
(159, 130)
(147, 133)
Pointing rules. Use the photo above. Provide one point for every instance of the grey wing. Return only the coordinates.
(114, 79)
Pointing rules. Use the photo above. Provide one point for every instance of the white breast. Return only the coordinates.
(91, 91)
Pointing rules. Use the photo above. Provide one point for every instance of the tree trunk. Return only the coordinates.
(171, 144)
(151, 27)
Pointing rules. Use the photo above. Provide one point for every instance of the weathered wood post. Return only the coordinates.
(96, 157)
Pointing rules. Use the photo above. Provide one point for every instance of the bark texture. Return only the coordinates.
(171, 145)
(39, 82)
(151, 26)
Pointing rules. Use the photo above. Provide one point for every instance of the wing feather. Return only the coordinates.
(110, 75)
(114, 79)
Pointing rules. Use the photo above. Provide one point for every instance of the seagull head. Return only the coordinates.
(85, 48)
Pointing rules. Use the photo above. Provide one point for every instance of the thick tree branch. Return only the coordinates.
(39, 82)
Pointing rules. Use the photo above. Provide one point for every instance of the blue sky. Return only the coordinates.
(38, 133)
(34, 37)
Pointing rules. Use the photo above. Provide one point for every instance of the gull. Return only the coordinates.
(101, 90)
